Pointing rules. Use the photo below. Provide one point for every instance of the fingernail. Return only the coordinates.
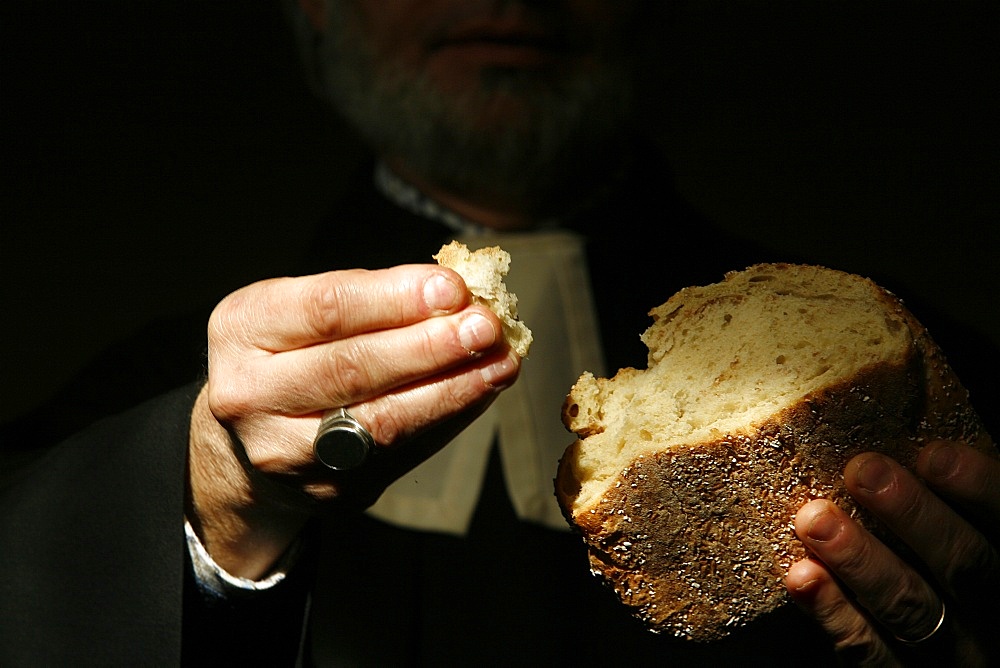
(441, 293)
(942, 462)
(498, 373)
(476, 333)
(824, 527)
(874, 475)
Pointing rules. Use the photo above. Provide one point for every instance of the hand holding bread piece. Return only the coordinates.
(686, 476)
(484, 271)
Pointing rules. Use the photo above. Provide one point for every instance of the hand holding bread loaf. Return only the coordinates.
(687, 475)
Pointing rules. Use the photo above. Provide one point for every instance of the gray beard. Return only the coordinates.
(567, 137)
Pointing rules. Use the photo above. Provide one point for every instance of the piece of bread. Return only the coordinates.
(484, 271)
(686, 476)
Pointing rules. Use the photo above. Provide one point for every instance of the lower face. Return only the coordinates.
(455, 45)
(452, 85)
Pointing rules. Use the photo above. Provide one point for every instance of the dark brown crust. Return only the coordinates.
(697, 540)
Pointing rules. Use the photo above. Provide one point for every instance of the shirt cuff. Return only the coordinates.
(215, 580)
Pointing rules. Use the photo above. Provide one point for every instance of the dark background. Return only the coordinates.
(161, 154)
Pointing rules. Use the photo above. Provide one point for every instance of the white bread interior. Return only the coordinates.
(686, 476)
(484, 271)
(739, 352)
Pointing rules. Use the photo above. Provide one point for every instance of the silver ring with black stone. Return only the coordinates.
(342, 443)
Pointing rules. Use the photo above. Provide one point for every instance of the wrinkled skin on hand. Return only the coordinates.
(866, 597)
(402, 348)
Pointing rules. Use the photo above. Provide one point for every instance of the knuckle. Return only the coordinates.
(441, 343)
(347, 375)
(427, 341)
(228, 400)
(854, 556)
(459, 394)
(973, 565)
(391, 423)
(400, 417)
(436, 344)
(863, 647)
(225, 321)
(906, 608)
(325, 304)
(236, 321)
(388, 428)
(911, 504)
(856, 641)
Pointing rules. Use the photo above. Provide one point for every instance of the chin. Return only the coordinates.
(470, 126)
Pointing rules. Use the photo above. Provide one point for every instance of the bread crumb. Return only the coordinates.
(483, 271)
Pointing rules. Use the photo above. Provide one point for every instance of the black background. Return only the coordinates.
(160, 154)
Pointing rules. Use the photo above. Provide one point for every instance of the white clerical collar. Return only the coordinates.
(550, 278)
(407, 196)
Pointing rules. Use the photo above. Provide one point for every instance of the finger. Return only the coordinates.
(966, 476)
(816, 592)
(891, 590)
(282, 446)
(358, 368)
(956, 553)
(287, 313)
(400, 415)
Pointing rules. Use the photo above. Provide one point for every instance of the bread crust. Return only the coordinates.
(696, 539)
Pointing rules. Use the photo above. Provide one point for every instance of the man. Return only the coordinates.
(508, 121)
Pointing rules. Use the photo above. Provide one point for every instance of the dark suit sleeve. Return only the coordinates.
(92, 544)
(95, 565)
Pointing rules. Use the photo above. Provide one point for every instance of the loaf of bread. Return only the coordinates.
(686, 476)
(484, 271)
